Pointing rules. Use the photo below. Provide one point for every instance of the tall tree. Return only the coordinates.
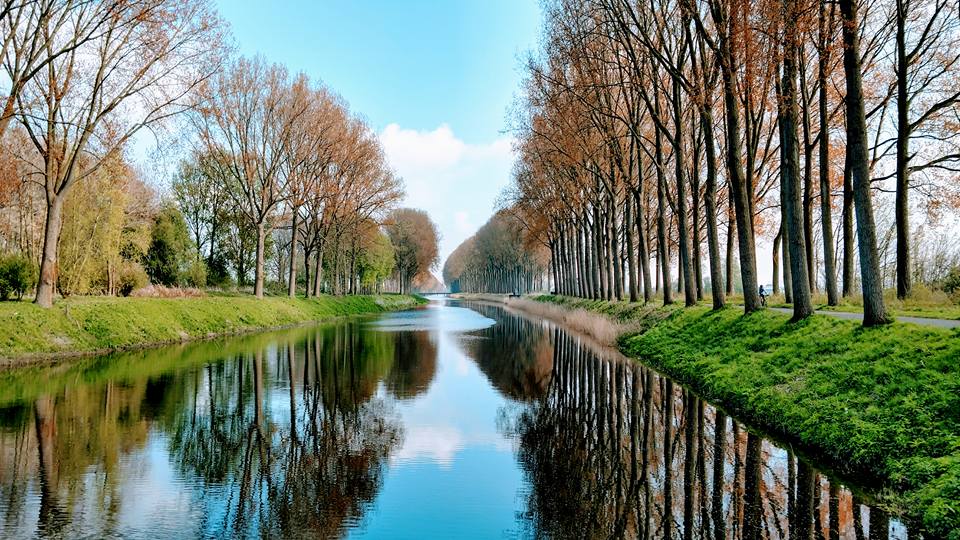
(825, 32)
(415, 242)
(927, 68)
(139, 67)
(246, 119)
(874, 312)
(790, 166)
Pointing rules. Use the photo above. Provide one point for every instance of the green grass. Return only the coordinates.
(881, 402)
(923, 303)
(87, 324)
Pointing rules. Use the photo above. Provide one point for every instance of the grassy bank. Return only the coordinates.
(94, 324)
(881, 402)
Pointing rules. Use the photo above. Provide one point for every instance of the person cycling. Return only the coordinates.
(763, 296)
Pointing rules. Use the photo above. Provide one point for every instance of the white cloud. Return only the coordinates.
(409, 148)
(438, 444)
(456, 182)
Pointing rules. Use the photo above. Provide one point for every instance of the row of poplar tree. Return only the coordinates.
(662, 131)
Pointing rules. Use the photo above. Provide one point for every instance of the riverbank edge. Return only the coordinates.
(868, 402)
(79, 327)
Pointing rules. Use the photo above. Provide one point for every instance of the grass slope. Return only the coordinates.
(884, 402)
(80, 325)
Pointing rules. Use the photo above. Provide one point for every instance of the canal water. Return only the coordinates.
(449, 421)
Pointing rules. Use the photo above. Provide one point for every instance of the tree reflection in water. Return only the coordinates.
(414, 364)
(289, 435)
(257, 465)
(611, 449)
(515, 354)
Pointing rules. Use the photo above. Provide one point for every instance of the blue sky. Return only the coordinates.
(433, 78)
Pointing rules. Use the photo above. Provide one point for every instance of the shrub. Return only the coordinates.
(196, 274)
(218, 275)
(923, 295)
(132, 276)
(171, 249)
(951, 283)
(18, 274)
(161, 291)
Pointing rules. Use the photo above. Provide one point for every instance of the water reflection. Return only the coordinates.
(615, 450)
(516, 354)
(284, 437)
(435, 423)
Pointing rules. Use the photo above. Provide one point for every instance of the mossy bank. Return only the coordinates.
(881, 404)
(75, 326)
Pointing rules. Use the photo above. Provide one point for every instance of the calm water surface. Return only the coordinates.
(451, 421)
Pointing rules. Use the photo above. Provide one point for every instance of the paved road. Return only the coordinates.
(939, 323)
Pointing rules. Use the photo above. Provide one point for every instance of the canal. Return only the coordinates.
(456, 420)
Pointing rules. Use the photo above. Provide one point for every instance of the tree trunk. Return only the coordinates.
(662, 222)
(612, 261)
(580, 260)
(803, 513)
(826, 210)
(871, 282)
(292, 278)
(752, 483)
(308, 285)
(808, 147)
(902, 210)
(353, 271)
(776, 259)
(599, 291)
(631, 255)
(785, 255)
(45, 422)
(728, 260)
(615, 251)
(8, 109)
(790, 167)
(553, 267)
(318, 273)
(710, 209)
(643, 254)
(697, 252)
(47, 283)
(742, 195)
(689, 291)
(716, 500)
(258, 273)
(848, 262)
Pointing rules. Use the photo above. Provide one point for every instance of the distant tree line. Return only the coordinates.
(496, 259)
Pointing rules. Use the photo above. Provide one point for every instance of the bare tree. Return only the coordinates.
(101, 86)
(874, 312)
(247, 117)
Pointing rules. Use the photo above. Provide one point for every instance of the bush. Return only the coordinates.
(196, 274)
(951, 283)
(132, 276)
(18, 274)
(923, 295)
(218, 275)
(171, 250)
(161, 291)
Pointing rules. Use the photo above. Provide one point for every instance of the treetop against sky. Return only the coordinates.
(434, 78)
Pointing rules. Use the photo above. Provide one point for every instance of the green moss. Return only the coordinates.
(88, 324)
(882, 402)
